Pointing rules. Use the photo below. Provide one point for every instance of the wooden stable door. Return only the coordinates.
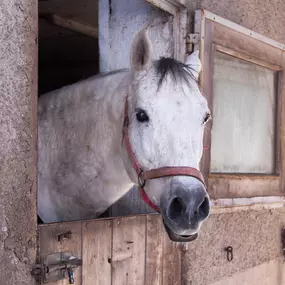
(122, 251)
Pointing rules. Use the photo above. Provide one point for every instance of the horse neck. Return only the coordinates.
(111, 108)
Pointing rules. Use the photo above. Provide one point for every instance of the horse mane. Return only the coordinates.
(177, 70)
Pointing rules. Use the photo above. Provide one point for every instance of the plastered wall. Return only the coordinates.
(18, 80)
(263, 16)
(120, 21)
(255, 237)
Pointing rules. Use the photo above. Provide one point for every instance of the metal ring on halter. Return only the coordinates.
(141, 180)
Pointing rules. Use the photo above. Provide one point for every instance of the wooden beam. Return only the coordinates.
(248, 58)
(71, 25)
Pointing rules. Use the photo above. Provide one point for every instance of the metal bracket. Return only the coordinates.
(64, 236)
(230, 255)
(55, 267)
(192, 39)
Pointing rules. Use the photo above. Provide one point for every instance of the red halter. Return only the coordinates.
(153, 173)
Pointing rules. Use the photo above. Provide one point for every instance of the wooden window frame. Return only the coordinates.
(218, 34)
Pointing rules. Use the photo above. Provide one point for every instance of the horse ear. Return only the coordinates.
(194, 63)
(141, 51)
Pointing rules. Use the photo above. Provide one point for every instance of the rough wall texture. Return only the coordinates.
(121, 21)
(263, 16)
(254, 235)
(18, 79)
(268, 273)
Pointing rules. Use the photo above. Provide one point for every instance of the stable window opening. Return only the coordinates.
(243, 80)
(71, 50)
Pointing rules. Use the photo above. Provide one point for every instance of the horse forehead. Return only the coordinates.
(170, 91)
(182, 94)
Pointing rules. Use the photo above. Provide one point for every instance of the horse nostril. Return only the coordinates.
(204, 209)
(175, 208)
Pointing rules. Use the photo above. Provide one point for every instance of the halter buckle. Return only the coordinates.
(126, 120)
(141, 180)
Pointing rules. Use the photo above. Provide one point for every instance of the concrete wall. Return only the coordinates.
(18, 80)
(263, 16)
(120, 21)
(256, 240)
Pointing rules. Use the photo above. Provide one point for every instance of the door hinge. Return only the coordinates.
(191, 40)
(55, 267)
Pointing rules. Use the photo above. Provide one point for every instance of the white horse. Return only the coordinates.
(99, 137)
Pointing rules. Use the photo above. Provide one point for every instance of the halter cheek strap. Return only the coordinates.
(143, 176)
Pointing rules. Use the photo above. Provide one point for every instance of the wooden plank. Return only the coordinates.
(179, 34)
(248, 58)
(128, 254)
(179, 12)
(72, 25)
(243, 186)
(154, 250)
(206, 81)
(171, 263)
(96, 252)
(241, 43)
(165, 6)
(281, 126)
(49, 244)
(85, 10)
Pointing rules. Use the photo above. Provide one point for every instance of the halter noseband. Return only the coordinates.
(153, 173)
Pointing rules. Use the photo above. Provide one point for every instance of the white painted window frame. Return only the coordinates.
(179, 13)
(223, 205)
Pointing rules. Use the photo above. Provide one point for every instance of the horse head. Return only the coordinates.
(164, 120)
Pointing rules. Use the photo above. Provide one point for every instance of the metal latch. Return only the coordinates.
(55, 267)
(192, 39)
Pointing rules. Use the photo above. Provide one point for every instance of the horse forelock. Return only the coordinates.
(179, 71)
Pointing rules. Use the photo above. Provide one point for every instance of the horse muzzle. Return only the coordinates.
(179, 238)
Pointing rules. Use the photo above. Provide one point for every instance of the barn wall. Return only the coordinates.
(255, 238)
(263, 16)
(18, 80)
(120, 21)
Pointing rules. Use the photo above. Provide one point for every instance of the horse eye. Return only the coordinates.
(142, 116)
(207, 117)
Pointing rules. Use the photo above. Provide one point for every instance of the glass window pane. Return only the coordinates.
(243, 132)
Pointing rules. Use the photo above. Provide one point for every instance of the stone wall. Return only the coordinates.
(18, 81)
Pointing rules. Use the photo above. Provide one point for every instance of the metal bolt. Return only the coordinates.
(64, 236)
(70, 275)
